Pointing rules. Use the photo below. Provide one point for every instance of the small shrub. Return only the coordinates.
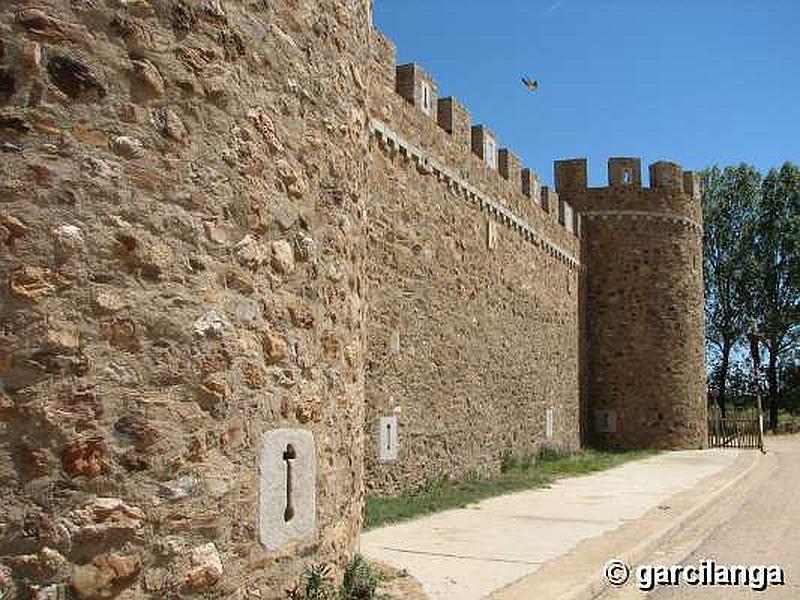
(360, 581)
(315, 585)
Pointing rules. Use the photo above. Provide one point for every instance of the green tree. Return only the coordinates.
(773, 280)
(790, 388)
(730, 198)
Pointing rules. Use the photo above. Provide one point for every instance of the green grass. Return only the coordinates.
(516, 475)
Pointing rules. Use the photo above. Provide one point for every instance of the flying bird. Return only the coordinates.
(531, 84)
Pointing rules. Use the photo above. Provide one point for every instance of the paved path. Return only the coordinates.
(764, 530)
(466, 554)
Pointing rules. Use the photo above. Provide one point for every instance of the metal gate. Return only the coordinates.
(739, 428)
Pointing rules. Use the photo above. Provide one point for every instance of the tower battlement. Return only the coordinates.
(626, 172)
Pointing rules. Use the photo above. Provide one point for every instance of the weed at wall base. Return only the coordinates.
(359, 582)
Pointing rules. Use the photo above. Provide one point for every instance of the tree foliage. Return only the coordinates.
(752, 270)
(773, 283)
(729, 200)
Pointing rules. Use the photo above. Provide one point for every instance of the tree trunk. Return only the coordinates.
(772, 385)
(722, 376)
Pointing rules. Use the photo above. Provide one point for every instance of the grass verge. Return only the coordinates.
(516, 475)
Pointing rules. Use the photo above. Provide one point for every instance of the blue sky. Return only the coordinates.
(699, 82)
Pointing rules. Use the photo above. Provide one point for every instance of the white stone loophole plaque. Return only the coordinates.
(387, 438)
(491, 234)
(288, 488)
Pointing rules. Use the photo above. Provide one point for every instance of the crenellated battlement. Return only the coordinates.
(530, 183)
(666, 175)
(673, 194)
(692, 184)
(455, 119)
(626, 172)
(509, 165)
(571, 175)
(485, 146)
(418, 88)
(471, 149)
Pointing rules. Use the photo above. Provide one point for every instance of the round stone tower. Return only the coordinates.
(181, 319)
(643, 311)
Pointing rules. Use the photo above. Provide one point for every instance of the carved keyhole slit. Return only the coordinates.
(288, 456)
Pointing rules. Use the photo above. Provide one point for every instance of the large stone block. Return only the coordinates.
(388, 444)
(288, 487)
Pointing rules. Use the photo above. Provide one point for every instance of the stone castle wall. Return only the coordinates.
(644, 304)
(182, 209)
(473, 306)
(220, 222)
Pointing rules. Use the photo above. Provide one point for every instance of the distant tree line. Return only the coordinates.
(751, 262)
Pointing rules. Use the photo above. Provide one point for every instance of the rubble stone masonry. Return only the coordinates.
(472, 325)
(182, 209)
(249, 270)
(644, 304)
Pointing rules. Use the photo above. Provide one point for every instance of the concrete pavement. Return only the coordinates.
(499, 545)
